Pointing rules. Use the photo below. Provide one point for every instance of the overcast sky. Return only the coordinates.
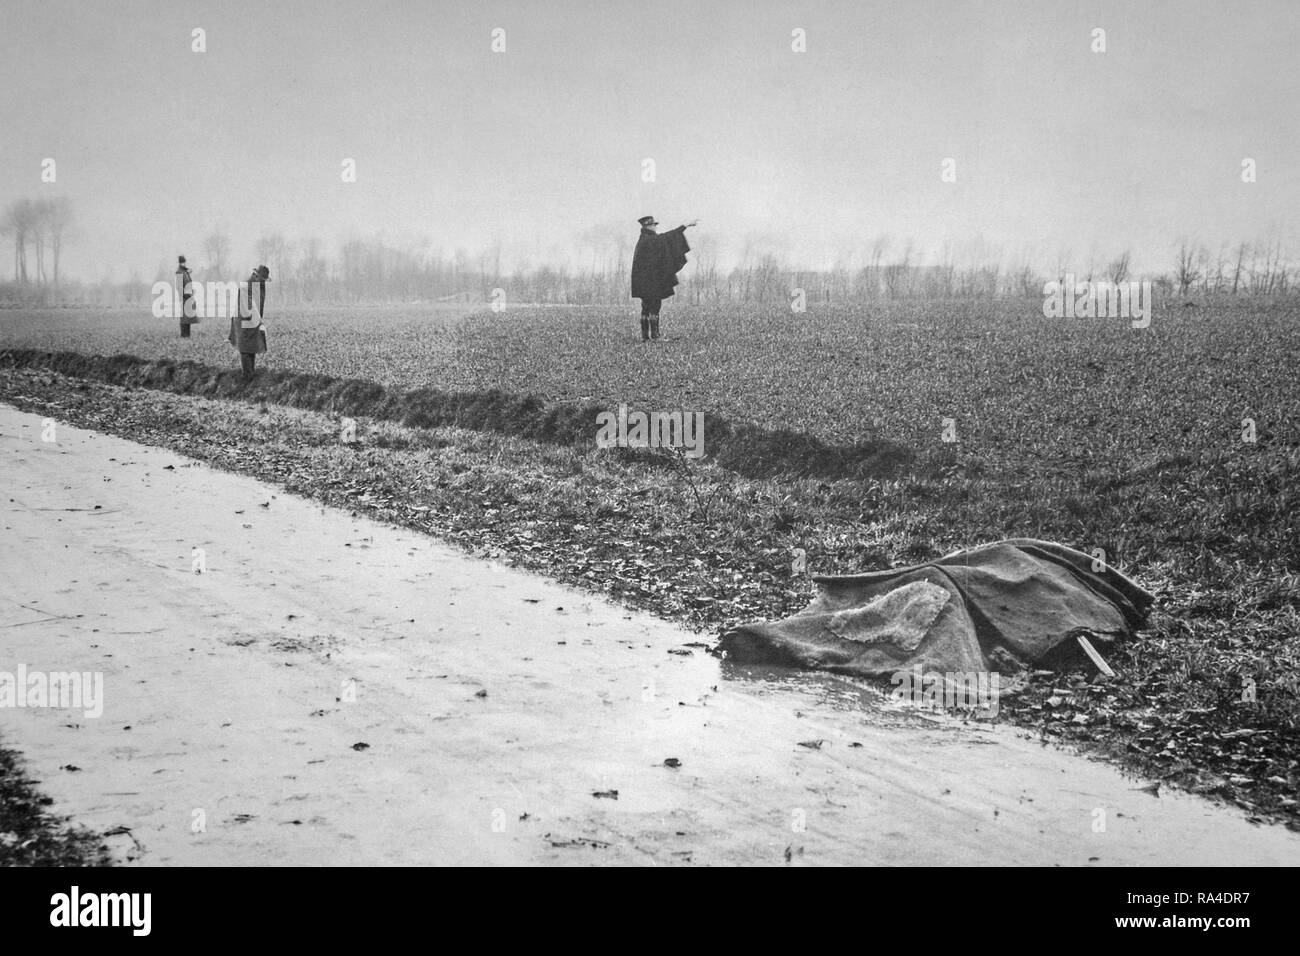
(811, 154)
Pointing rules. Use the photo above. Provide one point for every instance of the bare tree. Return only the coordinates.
(1117, 270)
(1063, 257)
(19, 224)
(1093, 264)
(58, 220)
(11, 228)
(289, 261)
(272, 253)
(878, 249)
(37, 231)
(765, 280)
(1275, 270)
(1187, 274)
(1239, 268)
(1204, 269)
(1028, 282)
(216, 250)
(1220, 276)
(312, 270)
(945, 273)
(897, 273)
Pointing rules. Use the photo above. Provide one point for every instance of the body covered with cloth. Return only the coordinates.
(1000, 607)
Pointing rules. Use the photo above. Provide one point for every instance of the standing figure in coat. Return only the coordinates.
(189, 315)
(247, 332)
(655, 264)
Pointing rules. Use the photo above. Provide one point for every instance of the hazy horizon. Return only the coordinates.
(539, 149)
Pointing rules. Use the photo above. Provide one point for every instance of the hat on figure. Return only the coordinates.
(648, 221)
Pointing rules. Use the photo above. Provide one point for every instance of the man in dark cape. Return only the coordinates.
(655, 264)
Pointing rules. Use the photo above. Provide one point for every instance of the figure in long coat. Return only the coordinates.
(189, 315)
(655, 264)
(247, 333)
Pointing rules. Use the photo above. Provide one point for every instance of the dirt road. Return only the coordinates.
(329, 690)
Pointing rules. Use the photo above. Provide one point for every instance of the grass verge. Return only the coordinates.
(744, 448)
(30, 835)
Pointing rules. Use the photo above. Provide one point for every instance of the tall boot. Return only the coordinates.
(654, 326)
(645, 329)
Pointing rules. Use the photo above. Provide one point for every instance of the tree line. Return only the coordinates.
(305, 272)
(36, 224)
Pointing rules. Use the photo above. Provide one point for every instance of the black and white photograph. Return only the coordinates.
(844, 433)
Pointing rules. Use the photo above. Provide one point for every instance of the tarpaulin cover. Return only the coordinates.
(999, 607)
